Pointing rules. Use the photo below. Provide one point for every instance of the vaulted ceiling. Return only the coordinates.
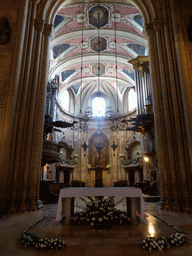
(91, 49)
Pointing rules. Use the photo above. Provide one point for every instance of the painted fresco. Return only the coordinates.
(98, 44)
(58, 20)
(65, 74)
(139, 19)
(98, 16)
(59, 49)
(61, 21)
(130, 73)
(96, 159)
(139, 49)
(98, 69)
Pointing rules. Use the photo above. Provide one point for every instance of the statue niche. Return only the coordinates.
(98, 155)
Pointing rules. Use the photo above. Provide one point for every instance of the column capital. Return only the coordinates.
(48, 29)
(158, 24)
(39, 24)
(149, 29)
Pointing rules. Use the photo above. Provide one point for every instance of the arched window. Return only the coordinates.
(132, 99)
(98, 106)
(65, 100)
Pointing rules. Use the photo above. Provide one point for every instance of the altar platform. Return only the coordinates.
(129, 237)
(119, 235)
(134, 199)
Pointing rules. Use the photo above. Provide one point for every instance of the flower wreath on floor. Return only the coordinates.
(161, 243)
(30, 240)
(100, 210)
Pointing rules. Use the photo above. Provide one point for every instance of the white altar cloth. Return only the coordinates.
(89, 191)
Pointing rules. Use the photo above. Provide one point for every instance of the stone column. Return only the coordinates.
(39, 112)
(158, 116)
(183, 68)
(185, 104)
(21, 140)
(168, 110)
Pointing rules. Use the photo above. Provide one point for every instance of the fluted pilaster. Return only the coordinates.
(158, 115)
(39, 112)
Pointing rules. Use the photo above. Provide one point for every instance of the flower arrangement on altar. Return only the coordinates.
(100, 211)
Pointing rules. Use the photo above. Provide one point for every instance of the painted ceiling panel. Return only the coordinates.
(139, 19)
(57, 50)
(80, 45)
(130, 73)
(58, 19)
(66, 74)
(139, 49)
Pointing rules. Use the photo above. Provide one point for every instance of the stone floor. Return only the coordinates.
(121, 240)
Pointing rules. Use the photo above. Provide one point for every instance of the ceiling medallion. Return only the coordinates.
(98, 69)
(98, 44)
(98, 16)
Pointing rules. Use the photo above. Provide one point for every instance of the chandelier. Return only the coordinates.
(114, 117)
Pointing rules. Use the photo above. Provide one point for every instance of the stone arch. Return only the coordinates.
(133, 141)
(47, 9)
(171, 91)
(169, 94)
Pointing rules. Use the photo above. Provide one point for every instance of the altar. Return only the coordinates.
(67, 195)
